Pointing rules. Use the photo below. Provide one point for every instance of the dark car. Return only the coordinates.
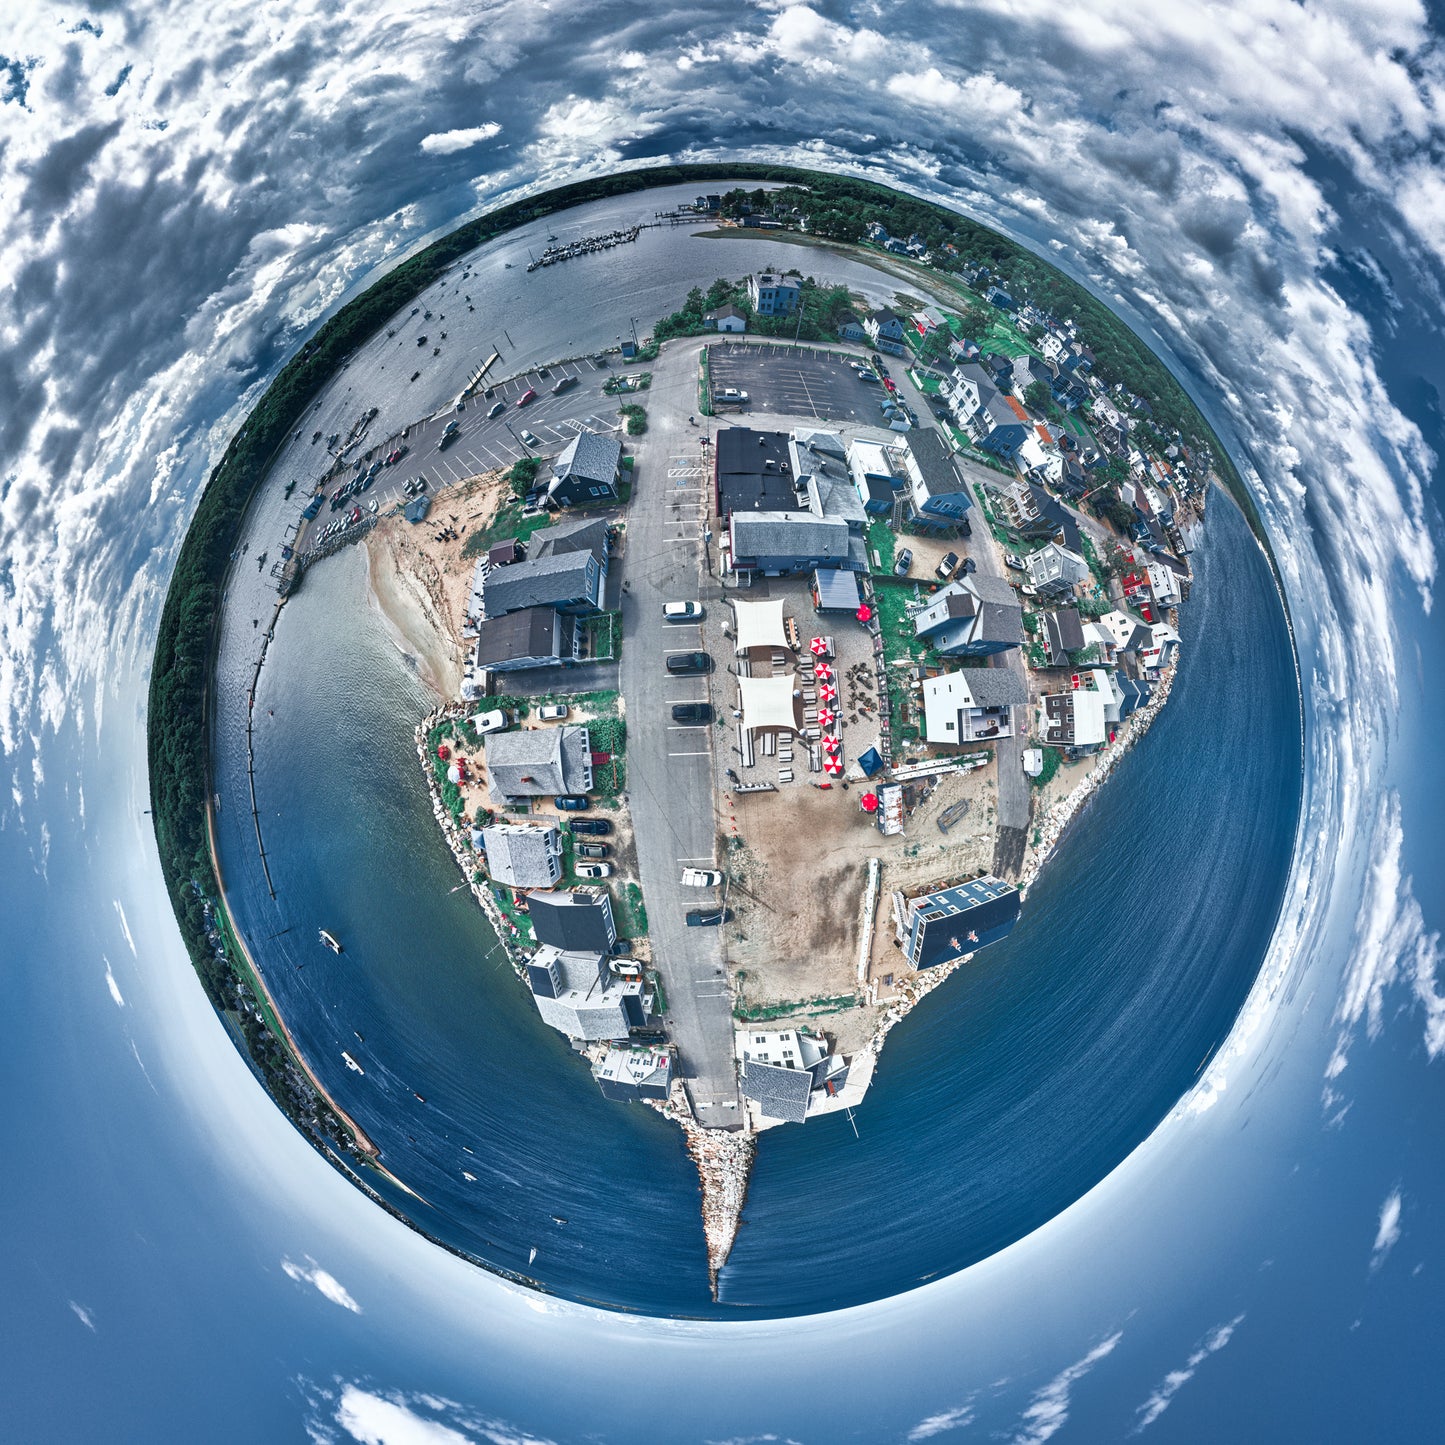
(689, 662)
(593, 850)
(709, 917)
(692, 712)
(570, 802)
(498, 408)
(598, 827)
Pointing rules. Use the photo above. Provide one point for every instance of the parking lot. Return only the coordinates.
(792, 381)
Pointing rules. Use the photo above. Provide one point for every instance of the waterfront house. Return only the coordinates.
(726, 318)
(971, 706)
(521, 856)
(949, 923)
(629, 1075)
(581, 919)
(938, 498)
(885, 331)
(773, 295)
(1075, 720)
(585, 471)
(578, 995)
(529, 637)
(974, 617)
(784, 1072)
(850, 328)
(780, 544)
(570, 582)
(539, 762)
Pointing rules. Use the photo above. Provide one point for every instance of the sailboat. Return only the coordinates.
(533, 1254)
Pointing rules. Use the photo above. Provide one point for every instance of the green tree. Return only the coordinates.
(1036, 395)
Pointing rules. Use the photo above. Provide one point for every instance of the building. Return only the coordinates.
(785, 1071)
(997, 296)
(1074, 720)
(850, 328)
(585, 471)
(818, 461)
(577, 920)
(1056, 571)
(571, 582)
(726, 318)
(538, 762)
(973, 617)
(752, 471)
(938, 497)
(415, 510)
(971, 706)
(532, 637)
(878, 475)
(939, 927)
(780, 544)
(522, 856)
(577, 994)
(628, 1075)
(773, 295)
(1014, 502)
(885, 330)
(1063, 634)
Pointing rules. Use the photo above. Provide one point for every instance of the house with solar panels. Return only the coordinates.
(949, 923)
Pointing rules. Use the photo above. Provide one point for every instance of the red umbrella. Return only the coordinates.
(828, 692)
(823, 672)
(818, 646)
(833, 744)
(833, 767)
(826, 717)
(869, 802)
(864, 613)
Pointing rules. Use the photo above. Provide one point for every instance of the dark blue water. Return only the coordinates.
(1012, 1091)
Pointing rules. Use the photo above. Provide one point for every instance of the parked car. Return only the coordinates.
(498, 407)
(683, 611)
(491, 722)
(1012, 559)
(870, 376)
(553, 712)
(397, 455)
(531, 438)
(563, 384)
(692, 712)
(969, 566)
(594, 870)
(528, 395)
(730, 393)
(701, 877)
(597, 827)
(593, 850)
(689, 662)
(902, 562)
(708, 917)
(570, 802)
(948, 566)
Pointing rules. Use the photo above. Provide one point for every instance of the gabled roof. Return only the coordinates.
(935, 465)
(580, 919)
(779, 1093)
(789, 534)
(587, 535)
(589, 457)
(537, 761)
(529, 633)
(538, 582)
(521, 856)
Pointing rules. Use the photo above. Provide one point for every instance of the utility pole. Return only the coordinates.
(518, 439)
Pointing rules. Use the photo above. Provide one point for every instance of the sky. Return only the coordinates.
(188, 189)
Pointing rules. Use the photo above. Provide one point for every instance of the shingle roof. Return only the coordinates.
(789, 534)
(781, 1093)
(536, 761)
(935, 465)
(589, 457)
(576, 920)
(538, 582)
(518, 636)
(587, 535)
(520, 856)
(996, 687)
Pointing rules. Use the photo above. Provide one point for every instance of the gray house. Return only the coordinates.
(576, 994)
(537, 762)
(533, 637)
(975, 617)
(937, 495)
(778, 544)
(571, 582)
(585, 471)
(521, 856)
(1055, 570)
(626, 1075)
(581, 919)
(773, 295)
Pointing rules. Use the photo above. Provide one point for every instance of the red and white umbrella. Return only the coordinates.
(869, 802)
(826, 717)
(818, 647)
(828, 692)
(823, 672)
(833, 744)
(833, 768)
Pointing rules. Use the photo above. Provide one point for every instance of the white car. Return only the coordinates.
(553, 712)
(682, 611)
(594, 870)
(701, 877)
(531, 438)
(1012, 559)
(490, 722)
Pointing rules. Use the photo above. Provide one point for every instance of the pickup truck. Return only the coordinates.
(701, 877)
(498, 720)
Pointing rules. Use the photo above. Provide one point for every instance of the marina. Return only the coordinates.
(585, 246)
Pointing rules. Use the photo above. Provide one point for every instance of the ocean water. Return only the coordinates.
(1009, 1094)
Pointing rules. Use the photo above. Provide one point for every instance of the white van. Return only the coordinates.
(701, 877)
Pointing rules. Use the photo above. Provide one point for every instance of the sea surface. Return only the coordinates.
(1010, 1093)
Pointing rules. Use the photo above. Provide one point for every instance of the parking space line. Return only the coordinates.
(704, 753)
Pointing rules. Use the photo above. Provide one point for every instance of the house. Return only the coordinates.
(578, 995)
(1074, 720)
(966, 391)
(878, 474)
(938, 497)
(818, 462)
(885, 331)
(1055, 521)
(876, 233)
(1014, 503)
(1063, 634)
(415, 510)
(1003, 426)
(570, 582)
(773, 295)
(785, 1071)
(521, 856)
(529, 637)
(777, 544)
(897, 245)
(975, 617)
(539, 762)
(850, 328)
(1056, 570)
(592, 535)
(581, 919)
(971, 706)
(586, 470)
(726, 318)
(752, 471)
(629, 1075)
(950, 923)
(1028, 371)
(997, 296)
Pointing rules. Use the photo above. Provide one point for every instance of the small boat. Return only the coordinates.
(465, 1150)
(557, 1219)
(470, 1178)
(417, 1097)
(533, 1254)
(352, 1064)
(359, 1038)
(330, 940)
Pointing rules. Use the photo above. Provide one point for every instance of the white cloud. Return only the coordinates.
(1048, 1411)
(443, 143)
(955, 1419)
(113, 986)
(311, 1273)
(83, 1315)
(1175, 1380)
(124, 925)
(375, 1417)
(1387, 1234)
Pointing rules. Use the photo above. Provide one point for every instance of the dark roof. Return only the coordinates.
(589, 458)
(940, 476)
(960, 920)
(537, 582)
(584, 536)
(518, 636)
(745, 480)
(781, 1093)
(726, 313)
(503, 554)
(996, 686)
(416, 509)
(572, 921)
(1064, 633)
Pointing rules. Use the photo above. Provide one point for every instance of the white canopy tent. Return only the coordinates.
(770, 703)
(760, 624)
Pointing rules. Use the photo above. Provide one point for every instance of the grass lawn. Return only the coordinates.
(629, 912)
(881, 539)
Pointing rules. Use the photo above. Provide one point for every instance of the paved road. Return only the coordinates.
(670, 767)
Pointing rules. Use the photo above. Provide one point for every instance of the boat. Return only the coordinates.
(557, 1219)
(470, 1178)
(359, 1038)
(351, 1063)
(330, 940)
(417, 1097)
(533, 1254)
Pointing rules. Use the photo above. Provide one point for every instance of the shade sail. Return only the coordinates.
(769, 703)
(760, 624)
